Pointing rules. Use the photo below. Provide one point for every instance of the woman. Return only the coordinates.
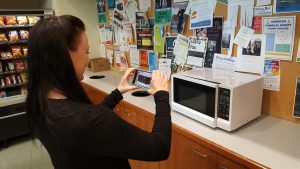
(75, 133)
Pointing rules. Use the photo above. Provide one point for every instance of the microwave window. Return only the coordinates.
(195, 96)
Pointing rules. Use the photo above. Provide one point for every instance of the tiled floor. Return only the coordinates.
(21, 153)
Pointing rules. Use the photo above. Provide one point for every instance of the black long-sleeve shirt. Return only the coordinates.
(78, 135)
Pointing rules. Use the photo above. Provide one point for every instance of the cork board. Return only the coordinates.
(278, 104)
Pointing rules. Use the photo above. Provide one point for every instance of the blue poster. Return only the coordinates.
(286, 6)
(111, 4)
(153, 61)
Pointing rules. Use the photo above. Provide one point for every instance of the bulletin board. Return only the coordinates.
(275, 103)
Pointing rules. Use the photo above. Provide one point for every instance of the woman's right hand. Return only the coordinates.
(159, 82)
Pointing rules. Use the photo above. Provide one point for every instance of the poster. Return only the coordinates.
(223, 1)
(102, 33)
(163, 11)
(117, 18)
(280, 32)
(143, 32)
(101, 11)
(134, 56)
(286, 6)
(272, 75)
(214, 35)
(202, 13)
(159, 38)
(153, 60)
(144, 61)
(196, 51)
(178, 17)
(296, 112)
(120, 5)
(251, 59)
(144, 5)
(111, 4)
(164, 65)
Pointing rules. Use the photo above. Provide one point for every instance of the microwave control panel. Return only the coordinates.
(224, 103)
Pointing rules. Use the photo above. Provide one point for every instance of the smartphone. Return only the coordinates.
(142, 78)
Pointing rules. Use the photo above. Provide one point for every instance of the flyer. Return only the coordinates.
(296, 112)
(227, 38)
(127, 32)
(272, 75)
(101, 11)
(178, 17)
(280, 32)
(131, 9)
(117, 18)
(134, 56)
(144, 5)
(202, 13)
(117, 57)
(196, 51)
(163, 11)
(257, 23)
(153, 60)
(243, 37)
(102, 33)
(164, 66)
(262, 10)
(143, 32)
(251, 59)
(120, 5)
(108, 33)
(159, 38)
(123, 61)
(170, 42)
(181, 49)
(110, 54)
(286, 6)
(298, 54)
(224, 62)
(144, 61)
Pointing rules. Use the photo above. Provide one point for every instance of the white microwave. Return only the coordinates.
(217, 98)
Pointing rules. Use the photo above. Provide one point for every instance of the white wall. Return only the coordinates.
(86, 10)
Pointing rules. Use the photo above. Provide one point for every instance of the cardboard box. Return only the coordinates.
(98, 64)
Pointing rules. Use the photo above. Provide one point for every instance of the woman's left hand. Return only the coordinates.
(124, 85)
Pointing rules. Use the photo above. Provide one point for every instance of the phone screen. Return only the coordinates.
(142, 78)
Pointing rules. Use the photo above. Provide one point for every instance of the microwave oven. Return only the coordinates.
(217, 98)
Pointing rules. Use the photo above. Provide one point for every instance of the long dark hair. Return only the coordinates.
(50, 66)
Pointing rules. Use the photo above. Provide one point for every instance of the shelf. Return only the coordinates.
(14, 58)
(17, 85)
(15, 26)
(6, 101)
(13, 71)
(14, 42)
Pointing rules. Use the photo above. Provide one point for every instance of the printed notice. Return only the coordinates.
(224, 62)
(243, 37)
(272, 75)
(280, 32)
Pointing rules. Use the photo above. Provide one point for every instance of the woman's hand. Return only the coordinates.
(159, 82)
(124, 85)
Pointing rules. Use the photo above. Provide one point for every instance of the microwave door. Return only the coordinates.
(196, 99)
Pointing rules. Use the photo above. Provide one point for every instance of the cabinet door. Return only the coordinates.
(146, 123)
(186, 153)
(224, 163)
